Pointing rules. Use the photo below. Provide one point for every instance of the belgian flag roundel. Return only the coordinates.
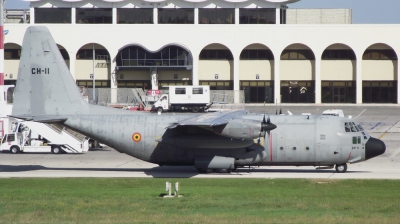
(136, 137)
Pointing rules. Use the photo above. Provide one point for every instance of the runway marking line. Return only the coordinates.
(382, 135)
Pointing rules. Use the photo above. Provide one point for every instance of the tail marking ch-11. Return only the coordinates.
(220, 140)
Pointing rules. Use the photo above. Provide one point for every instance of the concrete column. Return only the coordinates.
(196, 15)
(278, 16)
(113, 81)
(32, 15)
(396, 75)
(73, 15)
(114, 15)
(359, 79)
(155, 14)
(72, 63)
(277, 79)
(236, 82)
(236, 15)
(195, 68)
(317, 80)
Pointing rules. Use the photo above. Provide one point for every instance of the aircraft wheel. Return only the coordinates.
(56, 150)
(341, 168)
(159, 109)
(195, 109)
(14, 149)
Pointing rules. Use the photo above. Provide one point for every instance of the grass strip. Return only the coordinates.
(136, 200)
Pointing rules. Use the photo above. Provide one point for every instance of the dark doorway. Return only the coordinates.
(338, 92)
(297, 92)
(258, 91)
(339, 95)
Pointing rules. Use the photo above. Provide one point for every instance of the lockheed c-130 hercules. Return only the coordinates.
(46, 92)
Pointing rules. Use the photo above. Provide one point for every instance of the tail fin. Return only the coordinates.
(44, 85)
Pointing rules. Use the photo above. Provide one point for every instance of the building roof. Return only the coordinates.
(160, 3)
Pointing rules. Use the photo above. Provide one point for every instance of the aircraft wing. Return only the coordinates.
(211, 119)
(231, 124)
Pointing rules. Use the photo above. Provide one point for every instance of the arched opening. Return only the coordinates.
(64, 54)
(216, 67)
(93, 63)
(12, 54)
(141, 68)
(256, 73)
(379, 79)
(338, 74)
(297, 68)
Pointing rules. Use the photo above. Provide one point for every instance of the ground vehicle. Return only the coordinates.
(192, 98)
(15, 144)
(29, 136)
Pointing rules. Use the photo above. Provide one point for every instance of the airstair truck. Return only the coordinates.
(184, 98)
(29, 136)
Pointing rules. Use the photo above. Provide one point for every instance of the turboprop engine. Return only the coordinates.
(242, 128)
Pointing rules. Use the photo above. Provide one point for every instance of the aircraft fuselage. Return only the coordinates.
(297, 140)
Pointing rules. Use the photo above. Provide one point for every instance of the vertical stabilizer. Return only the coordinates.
(45, 86)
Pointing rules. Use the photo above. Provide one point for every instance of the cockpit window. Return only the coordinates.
(352, 128)
(346, 127)
(355, 126)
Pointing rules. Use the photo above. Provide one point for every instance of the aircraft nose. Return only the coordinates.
(374, 147)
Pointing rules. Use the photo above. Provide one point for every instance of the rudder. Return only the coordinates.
(44, 85)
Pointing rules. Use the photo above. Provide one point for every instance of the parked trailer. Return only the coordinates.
(184, 98)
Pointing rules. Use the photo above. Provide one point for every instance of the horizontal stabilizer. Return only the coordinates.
(42, 119)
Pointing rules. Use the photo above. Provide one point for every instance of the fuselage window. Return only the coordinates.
(354, 140)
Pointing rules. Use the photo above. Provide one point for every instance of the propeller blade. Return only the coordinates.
(266, 126)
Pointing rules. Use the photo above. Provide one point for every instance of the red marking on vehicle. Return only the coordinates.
(349, 156)
(270, 146)
(136, 137)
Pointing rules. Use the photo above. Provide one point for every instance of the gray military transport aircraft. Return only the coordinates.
(46, 92)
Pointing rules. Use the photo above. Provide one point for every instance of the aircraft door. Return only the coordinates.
(329, 149)
(328, 154)
(347, 145)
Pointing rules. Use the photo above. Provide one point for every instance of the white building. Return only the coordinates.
(258, 46)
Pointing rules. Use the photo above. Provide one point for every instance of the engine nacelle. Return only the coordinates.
(238, 128)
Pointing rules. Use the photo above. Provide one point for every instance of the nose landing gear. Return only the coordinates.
(341, 168)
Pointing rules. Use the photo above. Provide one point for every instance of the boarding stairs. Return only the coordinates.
(69, 140)
(141, 98)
